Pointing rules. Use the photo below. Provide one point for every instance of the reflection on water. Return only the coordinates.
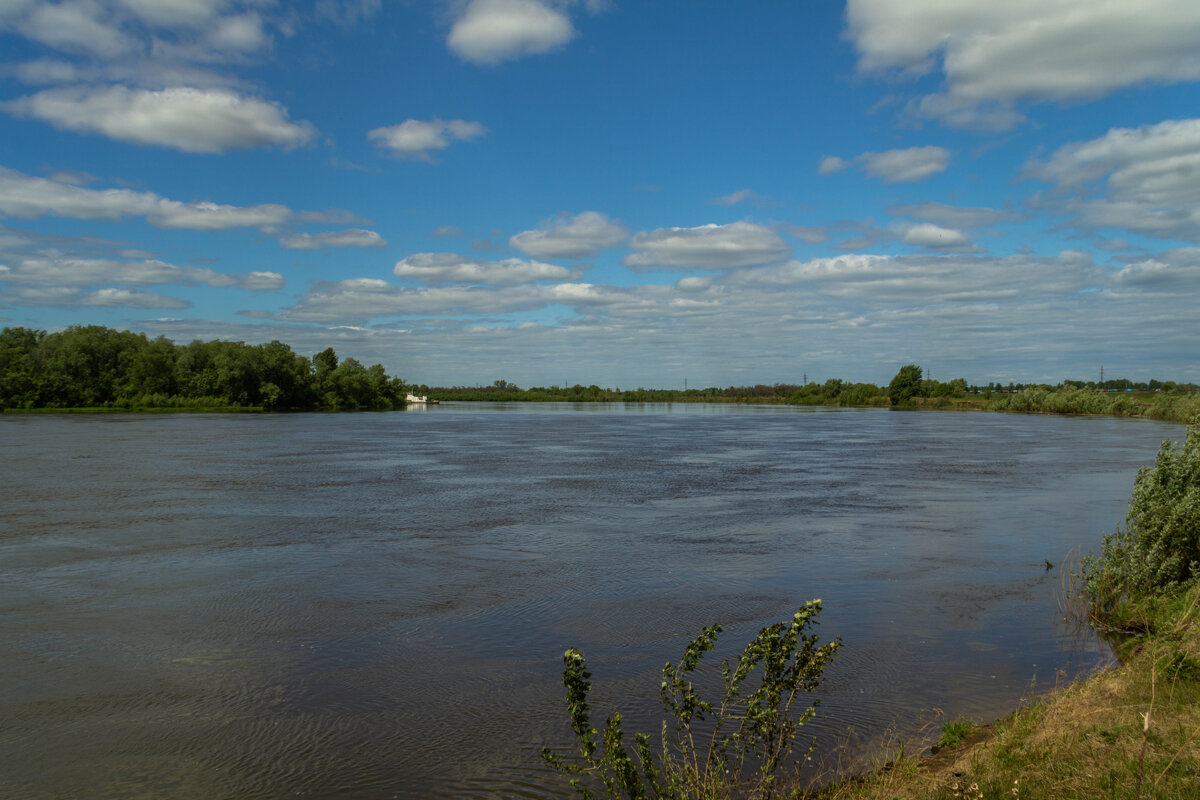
(376, 605)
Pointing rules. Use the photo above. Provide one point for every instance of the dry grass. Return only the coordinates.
(1131, 732)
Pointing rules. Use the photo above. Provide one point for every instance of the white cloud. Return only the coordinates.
(885, 281)
(994, 54)
(738, 244)
(355, 237)
(905, 166)
(240, 33)
(63, 297)
(893, 166)
(74, 26)
(693, 283)
(66, 271)
(491, 31)
(1138, 179)
(205, 216)
(831, 164)
(954, 216)
(926, 234)
(192, 120)
(27, 197)
(453, 268)
(580, 236)
(418, 139)
(131, 298)
(1175, 271)
(361, 299)
(448, 232)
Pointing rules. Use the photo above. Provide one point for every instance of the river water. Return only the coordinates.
(376, 605)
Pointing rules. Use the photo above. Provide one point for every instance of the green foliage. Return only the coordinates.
(97, 367)
(955, 732)
(734, 747)
(906, 385)
(1180, 666)
(1158, 549)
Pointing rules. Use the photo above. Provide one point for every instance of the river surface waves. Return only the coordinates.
(376, 605)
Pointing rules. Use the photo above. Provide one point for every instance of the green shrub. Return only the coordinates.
(732, 748)
(1158, 548)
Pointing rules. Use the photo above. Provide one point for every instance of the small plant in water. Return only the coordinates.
(732, 747)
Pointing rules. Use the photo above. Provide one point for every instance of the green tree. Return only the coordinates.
(905, 385)
(18, 368)
(152, 370)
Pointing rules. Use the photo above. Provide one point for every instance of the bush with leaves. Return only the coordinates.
(732, 748)
(1159, 546)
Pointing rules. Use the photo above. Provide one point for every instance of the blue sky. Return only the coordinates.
(620, 193)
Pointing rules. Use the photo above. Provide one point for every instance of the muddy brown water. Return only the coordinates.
(375, 605)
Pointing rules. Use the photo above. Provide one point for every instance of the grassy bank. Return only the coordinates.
(1132, 732)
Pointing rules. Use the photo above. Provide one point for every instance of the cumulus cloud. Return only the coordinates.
(884, 280)
(926, 234)
(994, 54)
(355, 237)
(419, 139)
(28, 197)
(1172, 271)
(492, 31)
(448, 232)
(360, 300)
(191, 120)
(64, 297)
(580, 236)
(206, 216)
(738, 244)
(363, 299)
(1138, 179)
(453, 268)
(954, 216)
(693, 283)
(68, 271)
(893, 166)
(75, 27)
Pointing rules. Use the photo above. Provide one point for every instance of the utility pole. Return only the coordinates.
(806, 379)
(1101, 376)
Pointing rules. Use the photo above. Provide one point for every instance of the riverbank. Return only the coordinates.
(1129, 732)
(1179, 406)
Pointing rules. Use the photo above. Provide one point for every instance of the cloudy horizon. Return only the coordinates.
(591, 191)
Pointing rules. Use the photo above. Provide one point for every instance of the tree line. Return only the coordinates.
(1164, 400)
(92, 366)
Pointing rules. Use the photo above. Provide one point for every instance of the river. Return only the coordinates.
(376, 605)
